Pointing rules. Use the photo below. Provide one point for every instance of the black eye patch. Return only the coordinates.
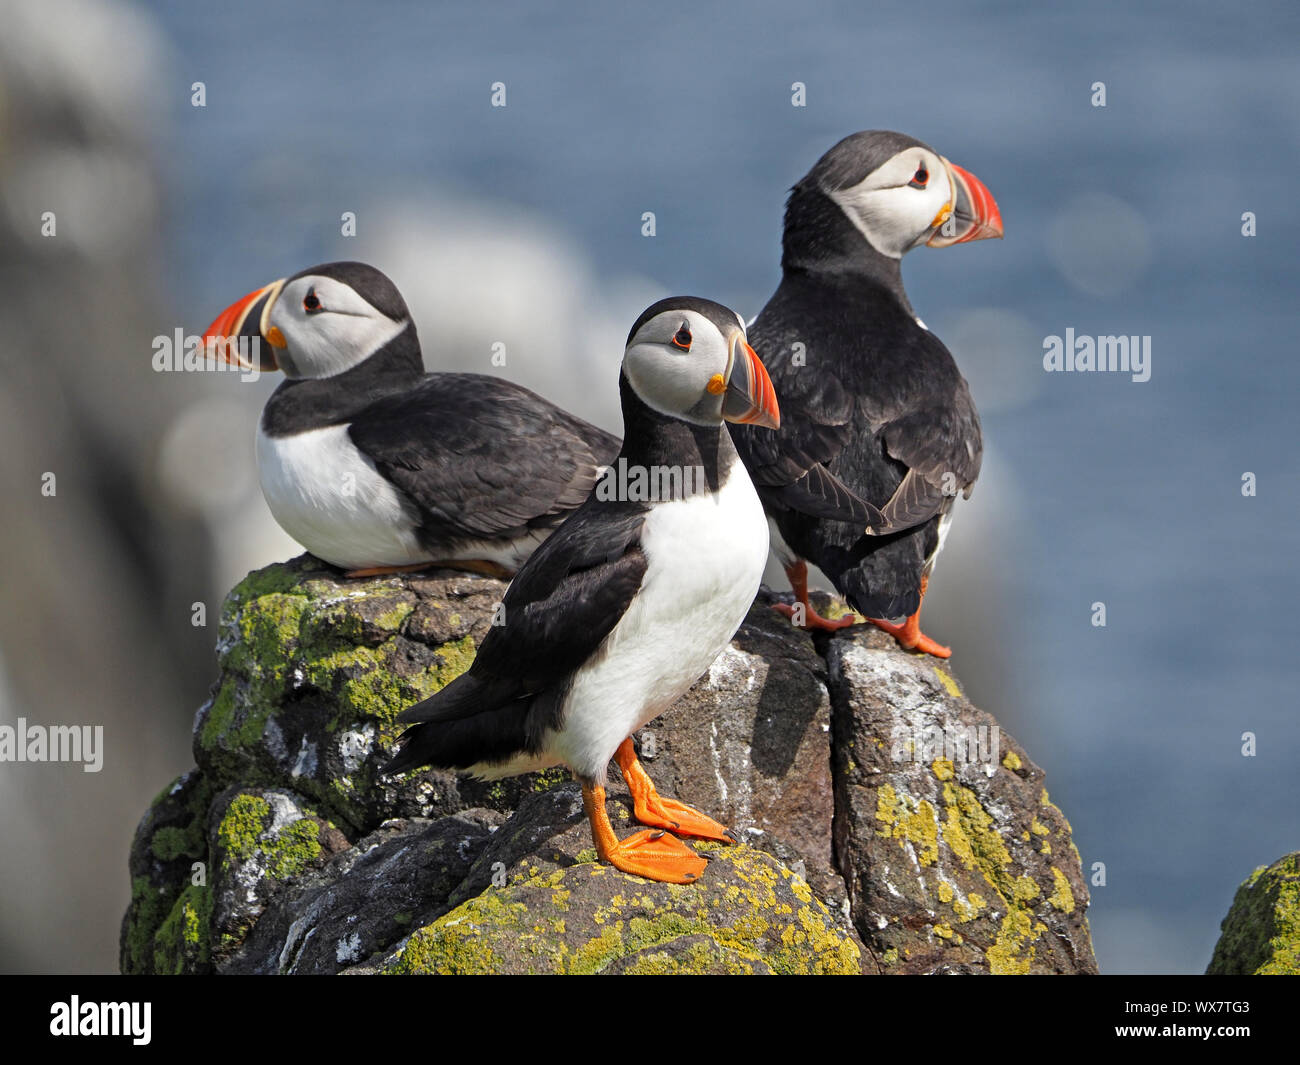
(682, 338)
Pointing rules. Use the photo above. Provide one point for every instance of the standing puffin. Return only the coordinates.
(874, 408)
(375, 466)
(630, 600)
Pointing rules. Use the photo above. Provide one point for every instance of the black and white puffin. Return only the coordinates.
(630, 600)
(375, 466)
(875, 412)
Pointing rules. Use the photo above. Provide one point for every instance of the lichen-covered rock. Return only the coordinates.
(260, 840)
(1261, 934)
(750, 743)
(954, 857)
(397, 878)
(286, 852)
(314, 669)
(165, 929)
(558, 910)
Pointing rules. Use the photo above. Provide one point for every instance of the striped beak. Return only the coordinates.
(974, 212)
(750, 398)
(240, 335)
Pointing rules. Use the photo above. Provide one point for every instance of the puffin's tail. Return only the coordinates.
(861, 583)
(459, 727)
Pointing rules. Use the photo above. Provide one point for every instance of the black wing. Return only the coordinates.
(479, 458)
(899, 396)
(791, 465)
(942, 448)
(558, 610)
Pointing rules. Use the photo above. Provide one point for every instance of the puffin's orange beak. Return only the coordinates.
(237, 336)
(750, 398)
(974, 212)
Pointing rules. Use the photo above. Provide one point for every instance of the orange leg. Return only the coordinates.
(470, 566)
(653, 855)
(651, 808)
(909, 633)
(798, 575)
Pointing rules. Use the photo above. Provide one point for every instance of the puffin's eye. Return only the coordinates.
(682, 338)
(920, 178)
(310, 302)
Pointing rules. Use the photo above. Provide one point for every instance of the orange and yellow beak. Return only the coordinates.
(972, 213)
(750, 398)
(241, 335)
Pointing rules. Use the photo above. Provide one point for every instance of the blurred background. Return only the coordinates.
(522, 225)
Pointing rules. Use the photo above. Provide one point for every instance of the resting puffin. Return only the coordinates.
(874, 408)
(630, 600)
(375, 466)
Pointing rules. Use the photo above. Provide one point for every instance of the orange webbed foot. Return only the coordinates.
(909, 634)
(801, 613)
(812, 619)
(656, 855)
(910, 637)
(651, 808)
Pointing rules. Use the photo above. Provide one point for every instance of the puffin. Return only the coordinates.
(375, 466)
(879, 432)
(630, 600)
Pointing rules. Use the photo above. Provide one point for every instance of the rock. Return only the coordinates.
(560, 911)
(397, 878)
(165, 929)
(954, 857)
(1261, 934)
(314, 669)
(862, 851)
(750, 744)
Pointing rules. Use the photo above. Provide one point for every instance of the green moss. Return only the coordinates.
(182, 942)
(148, 909)
(277, 577)
(245, 820)
(455, 943)
(547, 779)
(293, 849)
(244, 833)
(170, 843)
(1261, 934)
(638, 921)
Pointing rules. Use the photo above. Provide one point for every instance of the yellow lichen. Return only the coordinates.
(909, 821)
(1061, 897)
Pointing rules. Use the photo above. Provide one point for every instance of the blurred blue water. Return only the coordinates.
(1131, 492)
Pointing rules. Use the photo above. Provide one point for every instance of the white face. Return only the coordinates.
(327, 327)
(675, 380)
(898, 205)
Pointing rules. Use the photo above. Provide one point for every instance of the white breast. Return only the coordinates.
(705, 558)
(330, 498)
